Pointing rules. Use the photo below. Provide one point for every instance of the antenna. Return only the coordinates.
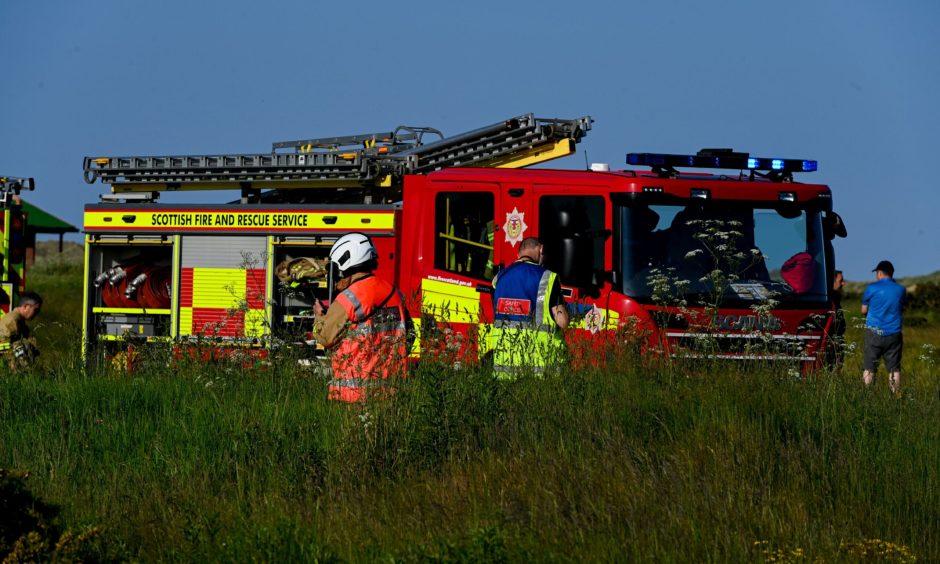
(586, 165)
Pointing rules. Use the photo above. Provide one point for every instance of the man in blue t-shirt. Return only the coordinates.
(882, 304)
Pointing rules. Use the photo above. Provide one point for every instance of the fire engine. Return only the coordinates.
(12, 239)
(446, 213)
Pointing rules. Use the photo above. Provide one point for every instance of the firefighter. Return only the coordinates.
(19, 350)
(366, 325)
(530, 315)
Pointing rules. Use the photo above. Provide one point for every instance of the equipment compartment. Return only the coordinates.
(132, 325)
(133, 276)
(130, 287)
(300, 275)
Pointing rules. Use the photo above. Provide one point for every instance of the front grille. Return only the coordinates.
(742, 346)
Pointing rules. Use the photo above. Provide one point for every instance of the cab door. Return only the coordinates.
(456, 286)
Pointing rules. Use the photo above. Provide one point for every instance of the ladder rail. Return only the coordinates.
(334, 143)
(519, 125)
(472, 156)
(404, 137)
(221, 167)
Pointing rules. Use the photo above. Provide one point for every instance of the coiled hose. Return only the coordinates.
(135, 286)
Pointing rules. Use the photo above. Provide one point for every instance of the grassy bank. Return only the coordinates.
(680, 463)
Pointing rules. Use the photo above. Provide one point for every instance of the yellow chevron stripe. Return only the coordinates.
(449, 302)
(254, 323)
(186, 321)
(218, 287)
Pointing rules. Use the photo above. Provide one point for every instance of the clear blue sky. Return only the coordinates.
(853, 84)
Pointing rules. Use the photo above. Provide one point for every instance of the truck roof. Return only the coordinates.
(719, 186)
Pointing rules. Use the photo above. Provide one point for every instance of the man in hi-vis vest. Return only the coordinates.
(364, 327)
(530, 315)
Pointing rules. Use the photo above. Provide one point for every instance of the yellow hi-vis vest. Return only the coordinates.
(525, 336)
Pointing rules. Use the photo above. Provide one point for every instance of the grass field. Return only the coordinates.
(679, 463)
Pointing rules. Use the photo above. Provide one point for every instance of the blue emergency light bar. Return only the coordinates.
(720, 158)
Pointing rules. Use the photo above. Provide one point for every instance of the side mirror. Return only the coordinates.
(834, 226)
(572, 257)
(570, 235)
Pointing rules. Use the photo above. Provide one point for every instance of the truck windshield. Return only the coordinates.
(745, 253)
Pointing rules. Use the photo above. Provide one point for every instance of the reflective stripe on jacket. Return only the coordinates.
(525, 335)
(373, 348)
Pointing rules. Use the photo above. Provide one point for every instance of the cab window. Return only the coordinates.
(464, 229)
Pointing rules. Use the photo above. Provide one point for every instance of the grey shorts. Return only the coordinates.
(882, 346)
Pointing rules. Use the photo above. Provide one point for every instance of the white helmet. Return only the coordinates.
(352, 250)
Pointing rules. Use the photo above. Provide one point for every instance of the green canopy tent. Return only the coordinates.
(41, 221)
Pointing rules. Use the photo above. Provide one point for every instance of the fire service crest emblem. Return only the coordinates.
(515, 226)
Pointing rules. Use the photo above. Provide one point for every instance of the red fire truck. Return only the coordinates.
(12, 239)
(446, 215)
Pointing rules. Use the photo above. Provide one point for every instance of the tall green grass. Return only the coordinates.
(214, 463)
(689, 462)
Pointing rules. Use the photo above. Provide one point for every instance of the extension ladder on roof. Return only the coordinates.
(375, 159)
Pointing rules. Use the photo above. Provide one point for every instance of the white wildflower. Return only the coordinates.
(366, 419)
(927, 353)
